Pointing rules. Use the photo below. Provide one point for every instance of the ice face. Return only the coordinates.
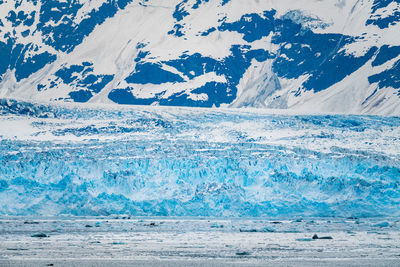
(194, 162)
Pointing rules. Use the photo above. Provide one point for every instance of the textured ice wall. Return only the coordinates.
(194, 162)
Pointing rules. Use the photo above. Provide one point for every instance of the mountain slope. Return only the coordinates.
(320, 56)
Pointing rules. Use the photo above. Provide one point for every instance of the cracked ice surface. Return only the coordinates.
(157, 161)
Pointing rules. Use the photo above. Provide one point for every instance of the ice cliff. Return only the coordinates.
(160, 161)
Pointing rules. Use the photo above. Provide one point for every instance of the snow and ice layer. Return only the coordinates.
(326, 56)
(195, 162)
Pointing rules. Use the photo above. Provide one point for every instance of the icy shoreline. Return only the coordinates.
(199, 242)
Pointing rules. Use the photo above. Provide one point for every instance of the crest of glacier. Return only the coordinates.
(160, 161)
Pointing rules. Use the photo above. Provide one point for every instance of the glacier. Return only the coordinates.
(159, 161)
(198, 132)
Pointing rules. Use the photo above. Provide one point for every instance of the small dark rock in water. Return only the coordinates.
(263, 230)
(88, 226)
(276, 222)
(243, 253)
(322, 237)
(248, 230)
(50, 264)
(39, 235)
(28, 222)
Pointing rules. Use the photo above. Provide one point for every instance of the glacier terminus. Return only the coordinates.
(196, 162)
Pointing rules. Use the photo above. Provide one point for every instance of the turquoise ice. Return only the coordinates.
(57, 160)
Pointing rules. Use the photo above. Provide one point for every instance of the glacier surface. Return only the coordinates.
(160, 161)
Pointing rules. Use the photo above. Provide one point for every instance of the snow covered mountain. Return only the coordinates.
(304, 55)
